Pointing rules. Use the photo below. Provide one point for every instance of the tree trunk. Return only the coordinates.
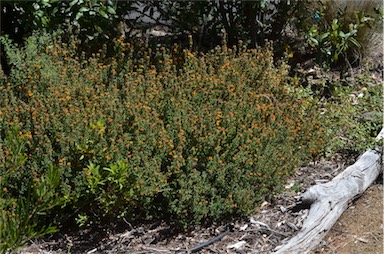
(328, 201)
(250, 23)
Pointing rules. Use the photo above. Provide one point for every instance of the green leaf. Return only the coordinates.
(355, 42)
(354, 31)
(316, 42)
(44, 21)
(313, 29)
(366, 19)
(78, 15)
(323, 36)
(46, 3)
(54, 11)
(36, 6)
(103, 14)
(335, 57)
(39, 13)
(84, 9)
(109, 170)
(90, 37)
(335, 24)
(98, 29)
(110, 10)
(73, 3)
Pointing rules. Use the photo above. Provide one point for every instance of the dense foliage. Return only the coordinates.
(335, 30)
(209, 138)
(253, 21)
(343, 33)
(93, 127)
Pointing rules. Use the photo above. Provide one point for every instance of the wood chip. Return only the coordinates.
(362, 240)
(237, 246)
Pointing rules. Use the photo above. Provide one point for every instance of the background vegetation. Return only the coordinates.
(96, 123)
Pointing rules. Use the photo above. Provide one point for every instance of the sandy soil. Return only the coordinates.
(360, 228)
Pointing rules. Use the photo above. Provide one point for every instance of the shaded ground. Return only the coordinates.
(359, 230)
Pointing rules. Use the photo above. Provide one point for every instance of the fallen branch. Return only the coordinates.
(329, 200)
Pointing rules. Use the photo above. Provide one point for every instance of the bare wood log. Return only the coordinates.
(329, 200)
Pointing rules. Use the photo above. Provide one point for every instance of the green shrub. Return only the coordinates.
(146, 138)
(355, 115)
(345, 31)
(25, 197)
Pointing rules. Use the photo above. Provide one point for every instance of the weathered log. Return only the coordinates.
(329, 200)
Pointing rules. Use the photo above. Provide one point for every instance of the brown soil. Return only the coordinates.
(359, 229)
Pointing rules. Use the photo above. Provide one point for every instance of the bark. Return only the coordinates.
(328, 201)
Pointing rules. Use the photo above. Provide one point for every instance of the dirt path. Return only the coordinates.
(360, 228)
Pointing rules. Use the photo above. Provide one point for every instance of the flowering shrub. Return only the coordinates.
(210, 136)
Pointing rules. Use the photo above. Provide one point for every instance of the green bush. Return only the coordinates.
(355, 115)
(345, 32)
(25, 197)
(147, 138)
